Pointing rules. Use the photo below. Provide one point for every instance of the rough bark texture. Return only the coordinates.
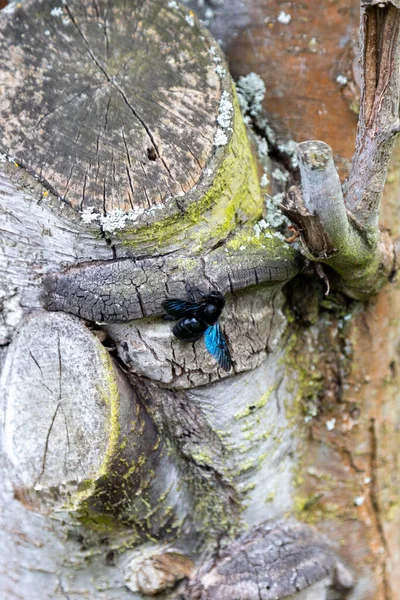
(132, 465)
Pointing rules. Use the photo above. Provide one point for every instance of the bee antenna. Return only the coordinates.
(190, 291)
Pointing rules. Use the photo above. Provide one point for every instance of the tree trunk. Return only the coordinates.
(133, 464)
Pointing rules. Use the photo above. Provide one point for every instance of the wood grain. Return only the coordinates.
(110, 105)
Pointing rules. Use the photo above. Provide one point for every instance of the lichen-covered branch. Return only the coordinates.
(341, 229)
(329, 232)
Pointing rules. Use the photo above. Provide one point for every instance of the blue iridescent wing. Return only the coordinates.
(217, 346)
(179, 308)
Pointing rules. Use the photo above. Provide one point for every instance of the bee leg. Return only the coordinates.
(190, 291)
(168, 318)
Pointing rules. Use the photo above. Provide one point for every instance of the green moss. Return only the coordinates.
(255, 406)
(234, 197)
(312, 509)
(103, 524)
(247, 238)
(203, 457)
(249, 487)
(110, 394)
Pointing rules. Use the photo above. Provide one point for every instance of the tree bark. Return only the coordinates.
(133, 464)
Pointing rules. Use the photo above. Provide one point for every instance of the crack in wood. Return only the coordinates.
(374, 495)
(47, 445)
(112, 81)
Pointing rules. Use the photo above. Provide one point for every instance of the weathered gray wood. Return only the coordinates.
(119, 291)
(75, 433)
(92, 151)
(34, 240)
(233, 445)
(273, 561)
(114, 91)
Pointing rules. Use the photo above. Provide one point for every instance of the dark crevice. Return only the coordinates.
(47, 186)
(374, 495)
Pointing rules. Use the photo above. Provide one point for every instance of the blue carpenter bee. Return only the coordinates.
(200, 318)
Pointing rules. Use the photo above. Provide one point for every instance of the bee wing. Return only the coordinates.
(179, 308)
(217, 346)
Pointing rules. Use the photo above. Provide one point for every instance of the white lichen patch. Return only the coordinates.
(259, 227)
(114, 220)
(276, 218)
(220, 71)
(288, 148)
(224, 120)
(117, 219)
(220, 138)
(341, 79)
(284, 18)
(225, 111)
(172, 4)
(57, 11)
(359, 500)
(264, 181)
(280, 176)
(262, 148)
(251, 92)
(89, 215)
(330, 425)
(215, 57)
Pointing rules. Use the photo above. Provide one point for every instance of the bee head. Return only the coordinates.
(215, 298)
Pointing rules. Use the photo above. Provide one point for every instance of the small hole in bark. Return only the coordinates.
(355, 413)
(110, 557)
(393, 369)
(151, 153)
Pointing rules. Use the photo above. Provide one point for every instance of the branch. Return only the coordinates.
(332, 235)
(341, 229)
(318, 209)
(77, 436)
(119, 291)
(274, 560)
(378, 123)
